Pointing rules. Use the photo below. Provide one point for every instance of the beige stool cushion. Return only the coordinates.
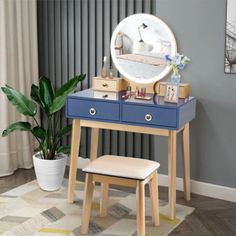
(127, 167)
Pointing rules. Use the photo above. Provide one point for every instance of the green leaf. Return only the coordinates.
(46, 92)
(64, 131)
(69, 86)
(21, 102)
(61, 94)
(35, 94)
(63, 149)
(39, 132)
(58, 104)
(22, 126)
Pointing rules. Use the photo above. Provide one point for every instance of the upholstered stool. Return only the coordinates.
(124, 171)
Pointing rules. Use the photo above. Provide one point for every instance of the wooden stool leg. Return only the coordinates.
(104, 199)
(88, 196)
(153, 186)
(140, 208)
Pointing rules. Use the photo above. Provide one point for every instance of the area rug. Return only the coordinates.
(27, 210)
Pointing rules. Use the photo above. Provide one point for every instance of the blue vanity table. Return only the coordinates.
(149, 117)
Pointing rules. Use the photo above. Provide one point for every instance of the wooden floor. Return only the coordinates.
(211, 217)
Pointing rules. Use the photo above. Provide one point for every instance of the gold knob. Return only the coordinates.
(104, 85)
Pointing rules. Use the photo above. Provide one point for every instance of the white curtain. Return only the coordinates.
(19, 69)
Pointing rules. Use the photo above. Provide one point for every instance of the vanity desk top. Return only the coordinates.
(88, 104)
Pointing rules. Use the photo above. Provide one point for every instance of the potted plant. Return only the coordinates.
(50, 160)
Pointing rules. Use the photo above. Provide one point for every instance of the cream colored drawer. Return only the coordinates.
(106, 95)
(113, 85)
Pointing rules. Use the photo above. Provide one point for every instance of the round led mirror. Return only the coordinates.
(139, 44)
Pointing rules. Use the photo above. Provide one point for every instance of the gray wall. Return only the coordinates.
(199, 27)
(73, 36)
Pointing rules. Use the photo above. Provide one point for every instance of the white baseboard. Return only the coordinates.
(202, 188)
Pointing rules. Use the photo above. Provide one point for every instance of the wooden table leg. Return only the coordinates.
(75, 143)
(104, 187)
(172, 173)
(94, 143)
(186, 162)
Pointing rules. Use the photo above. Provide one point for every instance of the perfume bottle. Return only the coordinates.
(137, 92)
(111, 73)
(104, 68)
(128, 91)
(143, 92)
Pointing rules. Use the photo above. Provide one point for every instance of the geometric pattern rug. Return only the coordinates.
(28, 210)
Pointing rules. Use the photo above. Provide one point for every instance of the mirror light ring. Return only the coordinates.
(171, 36)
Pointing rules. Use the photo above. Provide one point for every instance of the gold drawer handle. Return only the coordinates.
(105, 96)
(105, 85)
(92, 111)
(148, 117)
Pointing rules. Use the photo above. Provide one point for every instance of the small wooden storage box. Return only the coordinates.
(184, 89)
(107, 84)
(106, 95)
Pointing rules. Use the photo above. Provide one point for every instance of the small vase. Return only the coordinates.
(175, 78)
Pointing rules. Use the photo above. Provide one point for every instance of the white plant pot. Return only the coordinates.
(50, 173)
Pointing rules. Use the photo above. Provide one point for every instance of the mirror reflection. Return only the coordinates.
(138, 48)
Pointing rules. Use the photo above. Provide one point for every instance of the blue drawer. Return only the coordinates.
(89, 109)
(149, 115)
